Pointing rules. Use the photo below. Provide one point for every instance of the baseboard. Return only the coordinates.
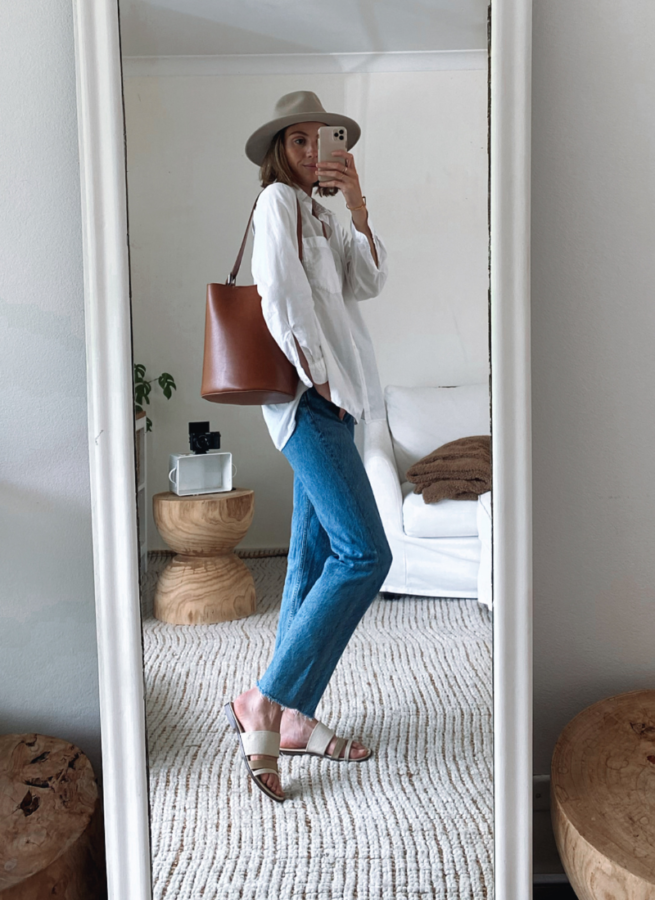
(550, 879)
(242, 552)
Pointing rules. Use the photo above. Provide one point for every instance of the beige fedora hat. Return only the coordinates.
(298, 106)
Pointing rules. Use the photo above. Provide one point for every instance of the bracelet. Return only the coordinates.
(355, 208)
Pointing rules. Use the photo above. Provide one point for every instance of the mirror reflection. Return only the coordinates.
(313, 453)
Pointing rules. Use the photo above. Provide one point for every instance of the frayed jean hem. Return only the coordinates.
(283, 706)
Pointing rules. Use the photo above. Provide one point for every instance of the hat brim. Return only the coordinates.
(258, 143)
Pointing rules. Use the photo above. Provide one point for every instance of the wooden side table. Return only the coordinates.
(51, 840)
(602, 791)
(206, 582)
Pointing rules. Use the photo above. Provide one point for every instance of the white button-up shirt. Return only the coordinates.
(316, 302)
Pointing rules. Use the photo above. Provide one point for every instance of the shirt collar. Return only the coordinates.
(303, 196)
(322, 213)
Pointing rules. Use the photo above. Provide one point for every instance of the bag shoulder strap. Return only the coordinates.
(232, 279)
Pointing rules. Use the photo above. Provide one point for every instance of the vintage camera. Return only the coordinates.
(201, 439)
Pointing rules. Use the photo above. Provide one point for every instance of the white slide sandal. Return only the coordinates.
(257, 743)
(319, 741)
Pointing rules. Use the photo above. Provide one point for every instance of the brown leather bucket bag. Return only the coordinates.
(243, 364)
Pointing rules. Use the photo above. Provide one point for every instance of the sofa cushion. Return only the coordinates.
(424, 418)
(446, 518)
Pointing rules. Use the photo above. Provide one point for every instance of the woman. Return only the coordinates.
(338, 555)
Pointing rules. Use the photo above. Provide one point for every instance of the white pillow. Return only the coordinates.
(444, 519)
(423, 418)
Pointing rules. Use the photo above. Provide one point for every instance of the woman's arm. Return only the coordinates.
(287, 301)
(360, 221)
(366, 274)
(324, 388)
(365, 259)
(346, 179)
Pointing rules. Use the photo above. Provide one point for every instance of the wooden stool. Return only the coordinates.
(51, 842)
(603, 799)
(205, 582)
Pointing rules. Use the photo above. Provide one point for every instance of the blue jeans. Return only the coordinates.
(338, 557)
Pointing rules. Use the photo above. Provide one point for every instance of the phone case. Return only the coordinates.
(331, 137)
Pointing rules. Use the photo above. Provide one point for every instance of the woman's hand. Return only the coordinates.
(324, 388)
(343, 175)
(324, 391)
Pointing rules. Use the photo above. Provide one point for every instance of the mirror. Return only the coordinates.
(414, 680)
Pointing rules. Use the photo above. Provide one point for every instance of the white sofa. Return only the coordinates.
(439, 549)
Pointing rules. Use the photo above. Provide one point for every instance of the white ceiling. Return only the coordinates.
(217, 27)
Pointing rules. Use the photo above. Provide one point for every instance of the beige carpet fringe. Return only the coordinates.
(413, 822)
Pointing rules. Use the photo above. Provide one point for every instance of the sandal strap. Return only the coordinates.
(346, 752)
(339, 744)
(261, 743)
(319, 739)
(264, 771)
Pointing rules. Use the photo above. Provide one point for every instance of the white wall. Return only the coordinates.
(198, 27)
(190, 192)
(593, 316)
(48, 664)
(594, 365)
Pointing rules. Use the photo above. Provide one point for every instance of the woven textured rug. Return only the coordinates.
(414, 821)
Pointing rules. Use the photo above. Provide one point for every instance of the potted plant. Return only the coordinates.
(143, 387)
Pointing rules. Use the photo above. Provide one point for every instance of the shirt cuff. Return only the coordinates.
(316, 363)
(318, 370)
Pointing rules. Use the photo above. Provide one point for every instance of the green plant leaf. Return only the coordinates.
(167, 384)
(139, 372)
(138, 408)
(148, 424)
(142, 392)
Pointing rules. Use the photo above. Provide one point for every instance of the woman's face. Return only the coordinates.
(301, 148)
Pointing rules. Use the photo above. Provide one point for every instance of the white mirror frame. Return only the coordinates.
(111, 445)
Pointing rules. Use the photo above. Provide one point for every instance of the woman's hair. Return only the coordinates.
(276, 167)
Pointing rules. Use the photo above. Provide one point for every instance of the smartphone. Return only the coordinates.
(331, 137)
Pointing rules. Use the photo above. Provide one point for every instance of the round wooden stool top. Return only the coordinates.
(603, 798)
(50, 839)
(204, 523)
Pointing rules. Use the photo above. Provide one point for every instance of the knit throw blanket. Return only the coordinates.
(459, 470)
